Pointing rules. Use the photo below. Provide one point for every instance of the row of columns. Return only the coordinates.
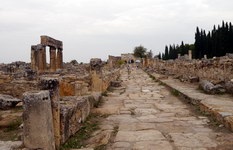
(38, 58)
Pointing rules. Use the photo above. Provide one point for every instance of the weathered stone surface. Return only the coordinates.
(163, 145)
(100, 139)
(48, 41)
(134, 136)
(158, 119)
(7, 101)
(9, 145)
(192, 140)
(193, 79)
(52, 84)
(74, 111)
(96, 64)
(115, 83)
(229, 87)
(210, 88)
(37, 118)
(121, 145)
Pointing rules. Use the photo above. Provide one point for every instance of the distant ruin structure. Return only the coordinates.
(128, 58)
(113, 61)
(38, 54)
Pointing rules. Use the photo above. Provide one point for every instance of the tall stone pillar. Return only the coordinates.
(33, 58)
(179, 55)
(37, 120)
(96, 75)
(52, 59)
(44, 58)
(52, 85)
(59, 59)
(41, 59)
(190, 54)
(205, 56)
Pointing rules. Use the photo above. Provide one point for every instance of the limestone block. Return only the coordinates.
(38, 132)
(96, 64)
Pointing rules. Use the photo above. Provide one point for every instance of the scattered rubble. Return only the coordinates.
(218, 70)
(210, 88)
(7, 101)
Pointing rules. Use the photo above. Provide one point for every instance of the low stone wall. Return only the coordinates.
(101, 81)
(74, 111)
(214, 70)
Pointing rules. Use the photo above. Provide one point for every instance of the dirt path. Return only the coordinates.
(145, 115)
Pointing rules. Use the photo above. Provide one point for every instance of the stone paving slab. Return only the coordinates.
(150, 117)
(136, 136)
(219, 106)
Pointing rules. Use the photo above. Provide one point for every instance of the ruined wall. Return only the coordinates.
(113, 61)
(74, 111)
(215, 70)
(17, 78)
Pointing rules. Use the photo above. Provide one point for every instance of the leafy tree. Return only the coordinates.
(140, 51)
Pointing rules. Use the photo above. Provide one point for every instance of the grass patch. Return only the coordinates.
(101, 147)
(175, 92)
(161, 83)
(115, 130)
(14, 125)
(87, 128)
(132, 111)
(152, 77)
(105, 93)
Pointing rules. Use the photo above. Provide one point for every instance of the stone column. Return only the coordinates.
(190, 54)
(96, 75)
(44, 58)
(52, 85)
(41, 59)
(205, 56)
(33, 58)
(37, 120)
(179, 55)
(53, 56)
(59, 59)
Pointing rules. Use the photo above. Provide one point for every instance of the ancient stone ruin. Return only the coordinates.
(38, 54)
(57, 99)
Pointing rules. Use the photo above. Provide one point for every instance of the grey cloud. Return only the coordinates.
(90, 28)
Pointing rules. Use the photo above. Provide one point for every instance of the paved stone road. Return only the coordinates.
(149, 117)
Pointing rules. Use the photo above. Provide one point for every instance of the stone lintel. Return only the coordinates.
(48, 41)
(37, 47)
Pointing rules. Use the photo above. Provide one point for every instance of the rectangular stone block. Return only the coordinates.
(38, 132)
(48, 41)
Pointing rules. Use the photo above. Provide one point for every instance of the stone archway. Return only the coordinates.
(38, 54)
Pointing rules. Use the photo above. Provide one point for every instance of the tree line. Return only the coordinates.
(215, 43)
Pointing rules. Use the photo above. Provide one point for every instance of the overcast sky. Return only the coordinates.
(98, 28)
